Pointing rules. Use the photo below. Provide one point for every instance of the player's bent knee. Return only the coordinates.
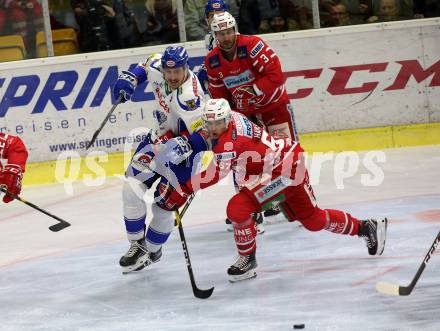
(240, 208)
(132, 197)
(315, 222)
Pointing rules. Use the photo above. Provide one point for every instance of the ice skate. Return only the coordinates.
(374, 233)
(243, 268)
(153, 257)
(229, 226)
(135, 257)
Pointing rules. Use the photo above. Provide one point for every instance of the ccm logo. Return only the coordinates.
(341, 76)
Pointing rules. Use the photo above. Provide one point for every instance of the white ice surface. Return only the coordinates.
(71, 280)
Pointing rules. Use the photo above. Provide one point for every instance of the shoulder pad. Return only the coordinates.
(214, 61)
(242, 52)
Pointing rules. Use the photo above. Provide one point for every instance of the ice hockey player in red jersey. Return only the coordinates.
(14, 151)
(247, 72)
(266, 169)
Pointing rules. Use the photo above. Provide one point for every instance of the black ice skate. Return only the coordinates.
(135, 258)
(153, 257)
(243, 268)
(229, 226)
(259, 219)
(374, 233)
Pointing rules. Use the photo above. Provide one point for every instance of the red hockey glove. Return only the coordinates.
(173, 198)
(244, 98)
(11, 178)
(165, 137)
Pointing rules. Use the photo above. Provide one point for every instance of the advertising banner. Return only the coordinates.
(352, 77)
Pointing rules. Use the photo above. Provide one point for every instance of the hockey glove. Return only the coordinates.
(244, 98)
(10, 178)
(125, 85)
(173, 198)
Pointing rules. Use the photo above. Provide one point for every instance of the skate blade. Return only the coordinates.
(248, 275)
(136, 267)
(381, 235)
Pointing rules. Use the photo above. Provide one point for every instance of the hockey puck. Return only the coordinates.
(299, 326)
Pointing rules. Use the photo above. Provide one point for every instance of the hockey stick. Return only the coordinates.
(198, 293)
(394, 289)
(95, 135)
(295, 129)
(54, 228)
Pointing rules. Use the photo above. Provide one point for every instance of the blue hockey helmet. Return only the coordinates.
(215, 5)
(174, 57)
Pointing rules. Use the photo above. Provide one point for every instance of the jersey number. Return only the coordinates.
(271, 142)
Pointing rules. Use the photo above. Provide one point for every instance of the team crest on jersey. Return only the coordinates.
(257, 49)
(191, 104)
(141, 162)
(214, 61)
(145, 159)
(242, 52)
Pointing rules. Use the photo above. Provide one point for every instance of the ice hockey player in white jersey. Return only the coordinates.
(180, 101)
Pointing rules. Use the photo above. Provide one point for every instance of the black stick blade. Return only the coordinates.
(203, 294)
(59, 226)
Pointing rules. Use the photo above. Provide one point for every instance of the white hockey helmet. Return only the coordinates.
(217, 109)
(223, 21)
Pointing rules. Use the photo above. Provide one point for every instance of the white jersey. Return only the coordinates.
(177, 110)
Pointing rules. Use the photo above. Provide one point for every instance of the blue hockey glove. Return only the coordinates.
(125, 85)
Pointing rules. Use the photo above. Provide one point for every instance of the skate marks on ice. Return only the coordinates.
(72, 281)
(319, 279)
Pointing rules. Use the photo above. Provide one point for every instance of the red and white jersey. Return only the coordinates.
(13, 150)
(255, 64)
(253, 155)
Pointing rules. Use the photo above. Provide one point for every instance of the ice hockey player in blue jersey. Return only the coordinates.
(179, 101)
